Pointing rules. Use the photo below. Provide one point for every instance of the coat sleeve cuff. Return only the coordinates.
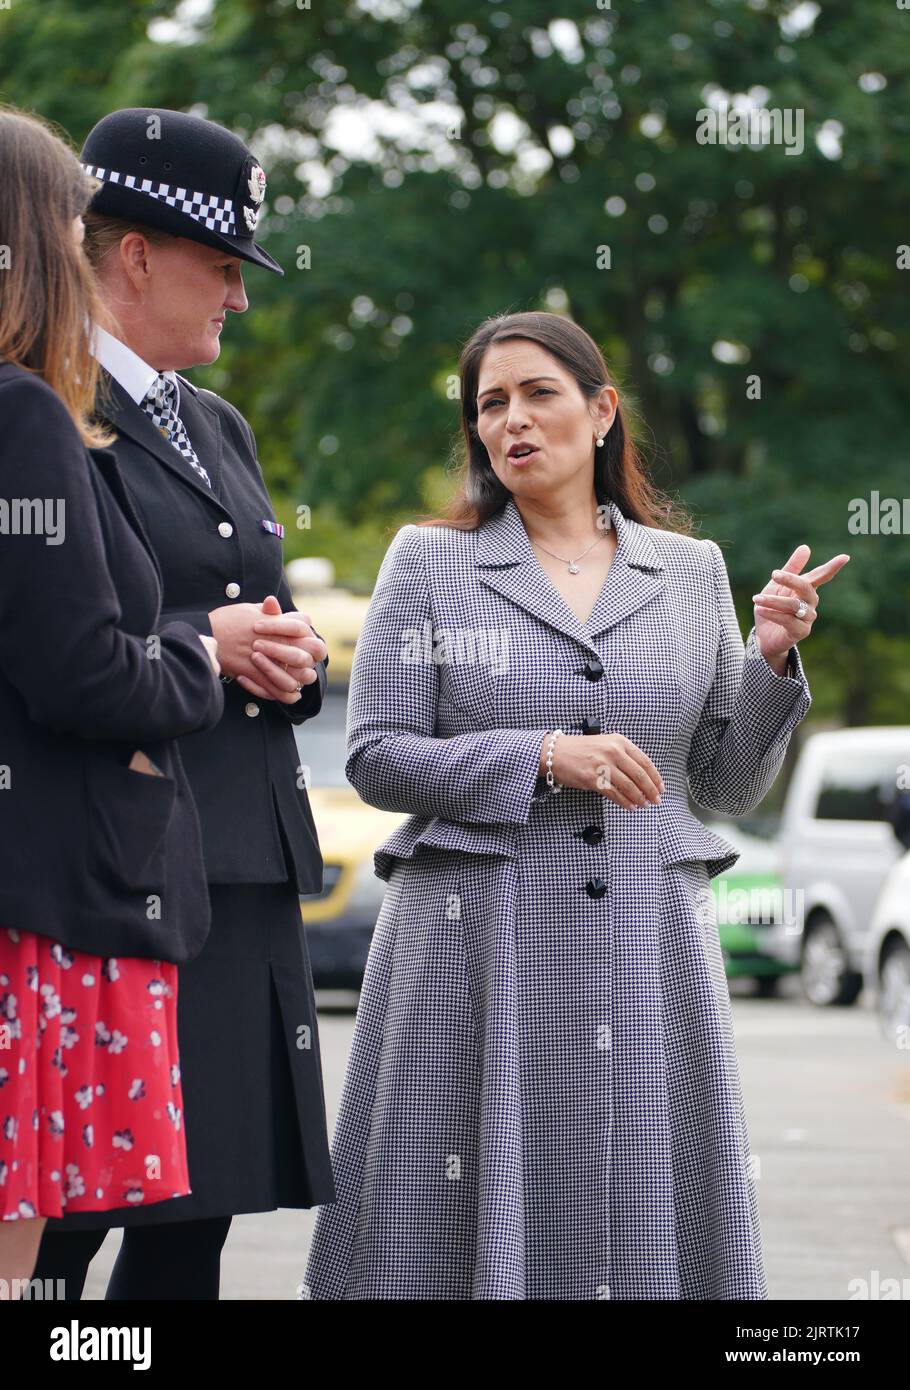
(787, 695)
(310, 702)
(198, 619)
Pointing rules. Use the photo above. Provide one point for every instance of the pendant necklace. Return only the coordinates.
(572, 564)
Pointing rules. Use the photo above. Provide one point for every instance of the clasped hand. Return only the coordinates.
(268, 652)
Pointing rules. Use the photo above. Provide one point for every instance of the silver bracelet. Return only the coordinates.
(551, 780)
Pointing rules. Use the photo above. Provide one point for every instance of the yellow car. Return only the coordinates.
(336, 614)
(339, 921)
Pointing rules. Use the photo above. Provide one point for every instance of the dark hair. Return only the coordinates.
(48, 296)
(618, 472)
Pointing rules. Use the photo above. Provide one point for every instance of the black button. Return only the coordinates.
(595, 888)
(593, 669)
(590, 725)
(592, 834)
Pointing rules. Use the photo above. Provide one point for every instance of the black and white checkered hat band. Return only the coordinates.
(217, 214)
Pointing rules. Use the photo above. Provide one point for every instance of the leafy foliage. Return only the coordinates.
(491, 183)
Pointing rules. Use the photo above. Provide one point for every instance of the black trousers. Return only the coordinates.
(178, 1261)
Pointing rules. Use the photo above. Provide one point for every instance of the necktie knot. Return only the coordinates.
(161, 392)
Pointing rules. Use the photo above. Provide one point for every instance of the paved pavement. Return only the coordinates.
(828, 1105)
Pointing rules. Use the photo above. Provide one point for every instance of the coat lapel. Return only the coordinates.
(115, 406)
(105, 461)
(506, 562)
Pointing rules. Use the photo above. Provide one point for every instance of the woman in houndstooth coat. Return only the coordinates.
(543, 1099)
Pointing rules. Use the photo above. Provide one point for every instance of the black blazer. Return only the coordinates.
(244, 772)
(102, 858)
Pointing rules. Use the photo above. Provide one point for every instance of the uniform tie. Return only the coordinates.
(159, 405)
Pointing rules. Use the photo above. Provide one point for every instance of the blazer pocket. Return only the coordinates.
(129, 814)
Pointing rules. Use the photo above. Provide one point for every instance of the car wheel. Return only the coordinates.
(826, 978)
(894, 992)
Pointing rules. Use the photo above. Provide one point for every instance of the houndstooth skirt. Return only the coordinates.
(543, 1099)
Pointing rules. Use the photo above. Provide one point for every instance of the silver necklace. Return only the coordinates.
(572, 564)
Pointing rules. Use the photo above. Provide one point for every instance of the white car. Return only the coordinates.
(839, 839)
(887, 966)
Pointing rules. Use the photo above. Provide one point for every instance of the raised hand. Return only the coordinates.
(787, 606)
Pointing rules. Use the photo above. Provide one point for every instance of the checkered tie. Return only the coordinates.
(159, 405)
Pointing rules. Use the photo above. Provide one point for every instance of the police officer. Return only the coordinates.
(170, 227)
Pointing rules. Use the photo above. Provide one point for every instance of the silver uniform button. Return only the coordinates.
(225, 529)
(251, 709)
(232, 589)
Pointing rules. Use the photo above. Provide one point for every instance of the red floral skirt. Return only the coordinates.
(91, 1110)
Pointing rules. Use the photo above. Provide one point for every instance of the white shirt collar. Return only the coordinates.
(127, 367)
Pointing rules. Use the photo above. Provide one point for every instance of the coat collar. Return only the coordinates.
(202, 423)
(507, 562)
(126, 366)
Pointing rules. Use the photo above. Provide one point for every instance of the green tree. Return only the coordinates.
(731, 270)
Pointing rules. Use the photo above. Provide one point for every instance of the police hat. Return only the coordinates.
(188, 176)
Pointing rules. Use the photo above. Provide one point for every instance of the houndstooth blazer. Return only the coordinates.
(474, 656)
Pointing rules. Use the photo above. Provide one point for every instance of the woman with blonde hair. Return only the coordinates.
(542, 1099)
(102, 886)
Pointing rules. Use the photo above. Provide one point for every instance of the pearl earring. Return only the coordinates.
(600, 442)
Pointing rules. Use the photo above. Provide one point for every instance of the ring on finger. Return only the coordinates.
(802, 608)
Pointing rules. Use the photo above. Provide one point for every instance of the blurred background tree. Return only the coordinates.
(431, 164)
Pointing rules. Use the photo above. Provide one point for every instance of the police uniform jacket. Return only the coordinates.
(213, 550)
